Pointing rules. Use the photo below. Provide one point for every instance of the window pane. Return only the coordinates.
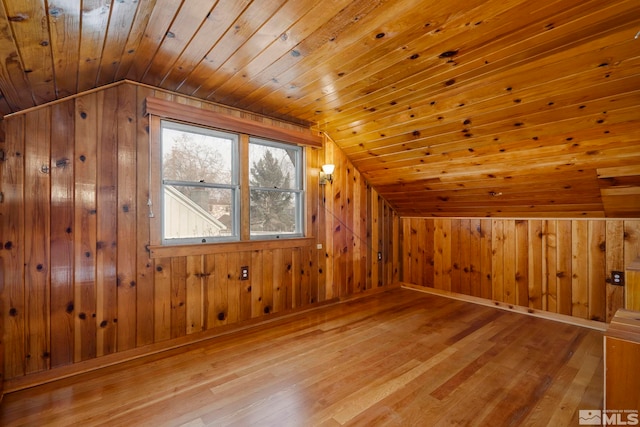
(274, 212)
(197, 212)
(275, 181)
(197, 155)
(273, 166)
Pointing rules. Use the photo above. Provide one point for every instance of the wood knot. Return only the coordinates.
(448, 54)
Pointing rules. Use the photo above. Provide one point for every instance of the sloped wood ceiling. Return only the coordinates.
(517, 108)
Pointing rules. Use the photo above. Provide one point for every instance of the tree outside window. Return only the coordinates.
(275, 183)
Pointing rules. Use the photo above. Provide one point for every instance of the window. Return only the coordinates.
(200, 185)
(204, 180)
(275, 182)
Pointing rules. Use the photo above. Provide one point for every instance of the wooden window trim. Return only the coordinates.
(167, 251)
(155, 188)
(245, 232)
(188, 113)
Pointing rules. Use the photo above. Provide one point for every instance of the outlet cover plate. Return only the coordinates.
(617, 278)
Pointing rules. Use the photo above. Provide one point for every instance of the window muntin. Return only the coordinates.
(200, 184)
(275, 189)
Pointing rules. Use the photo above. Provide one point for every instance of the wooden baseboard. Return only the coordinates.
(600, 326)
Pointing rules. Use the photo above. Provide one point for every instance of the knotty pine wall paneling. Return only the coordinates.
(62, 209)
(126, 216)
(144, 286)
(13, 241)
(85, 229)
(80, 282)
(36, 239)
(359, 225)
(106, 222)
(555, 265)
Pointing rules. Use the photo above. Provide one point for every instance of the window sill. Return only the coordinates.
(169, 251)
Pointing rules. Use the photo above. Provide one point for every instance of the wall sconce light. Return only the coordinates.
(326, 174)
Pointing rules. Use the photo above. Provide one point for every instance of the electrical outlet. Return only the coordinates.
(617, 278)
(244, 272)
(379, 256)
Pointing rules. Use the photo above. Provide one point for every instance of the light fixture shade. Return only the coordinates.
(326, 174)
(328, 169)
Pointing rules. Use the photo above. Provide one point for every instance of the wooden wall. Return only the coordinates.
(78, 281)
(559, 266)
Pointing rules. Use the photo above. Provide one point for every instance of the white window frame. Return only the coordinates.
(298, 189)
(234, 186)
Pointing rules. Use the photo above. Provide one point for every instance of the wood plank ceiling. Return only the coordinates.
(513, 108)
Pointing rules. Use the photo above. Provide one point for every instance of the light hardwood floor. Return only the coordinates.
(400, 358)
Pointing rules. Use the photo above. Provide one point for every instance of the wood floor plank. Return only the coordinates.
(395, 358)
